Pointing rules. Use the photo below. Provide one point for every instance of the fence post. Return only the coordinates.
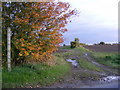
(9, 48)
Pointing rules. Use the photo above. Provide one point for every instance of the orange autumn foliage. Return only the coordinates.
(39, 28)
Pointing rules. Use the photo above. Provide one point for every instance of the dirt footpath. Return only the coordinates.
(82, 78)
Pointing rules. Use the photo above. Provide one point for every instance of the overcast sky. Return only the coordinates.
(97, 21)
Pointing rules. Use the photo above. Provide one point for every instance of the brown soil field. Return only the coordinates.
(102, 48)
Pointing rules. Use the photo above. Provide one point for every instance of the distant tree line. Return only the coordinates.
(103, 43)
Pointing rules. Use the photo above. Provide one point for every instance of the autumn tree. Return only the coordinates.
(37, 27)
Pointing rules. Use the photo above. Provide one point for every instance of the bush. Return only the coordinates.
(82, 44)
(74, 44)
(64, 45)
(102, 43)
(27, 38)
(108, 57)
(117, 59)
(77, 39)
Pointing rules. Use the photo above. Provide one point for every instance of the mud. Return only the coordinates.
(81, 78)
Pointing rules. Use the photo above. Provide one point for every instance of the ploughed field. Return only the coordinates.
(102, 48)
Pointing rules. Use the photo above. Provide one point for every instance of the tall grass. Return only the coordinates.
(37, 74)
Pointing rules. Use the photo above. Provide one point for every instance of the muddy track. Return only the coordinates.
(77, 79)
(108, 70)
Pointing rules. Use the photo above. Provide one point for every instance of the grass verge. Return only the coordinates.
(73, 52)
(0, 79)
(87, 65)
(37, 74)
(111, 59)
(65, 47)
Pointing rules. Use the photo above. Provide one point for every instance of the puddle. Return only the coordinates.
(74, 62)
(110, 78)
(95, 63)
(86, 54)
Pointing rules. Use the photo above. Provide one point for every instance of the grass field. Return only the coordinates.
(71, 52)
(78, 52)
(108, 56)
(43, 74)
(111, 59)
(37, 74)
(0, 79)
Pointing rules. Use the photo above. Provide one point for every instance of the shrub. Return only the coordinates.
(64, 45)
(102, 43)
(82, 44)
(77, 39)
(74, 44)
(31, 34)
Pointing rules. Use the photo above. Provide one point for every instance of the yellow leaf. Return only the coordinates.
(20, 54)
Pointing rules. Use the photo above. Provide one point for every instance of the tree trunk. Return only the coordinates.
(9, 48)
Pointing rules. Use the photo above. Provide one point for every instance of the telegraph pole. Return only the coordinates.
(9, 48)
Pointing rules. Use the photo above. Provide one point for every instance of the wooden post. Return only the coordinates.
(9, 48)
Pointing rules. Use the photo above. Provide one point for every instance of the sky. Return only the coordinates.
(97, 21)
